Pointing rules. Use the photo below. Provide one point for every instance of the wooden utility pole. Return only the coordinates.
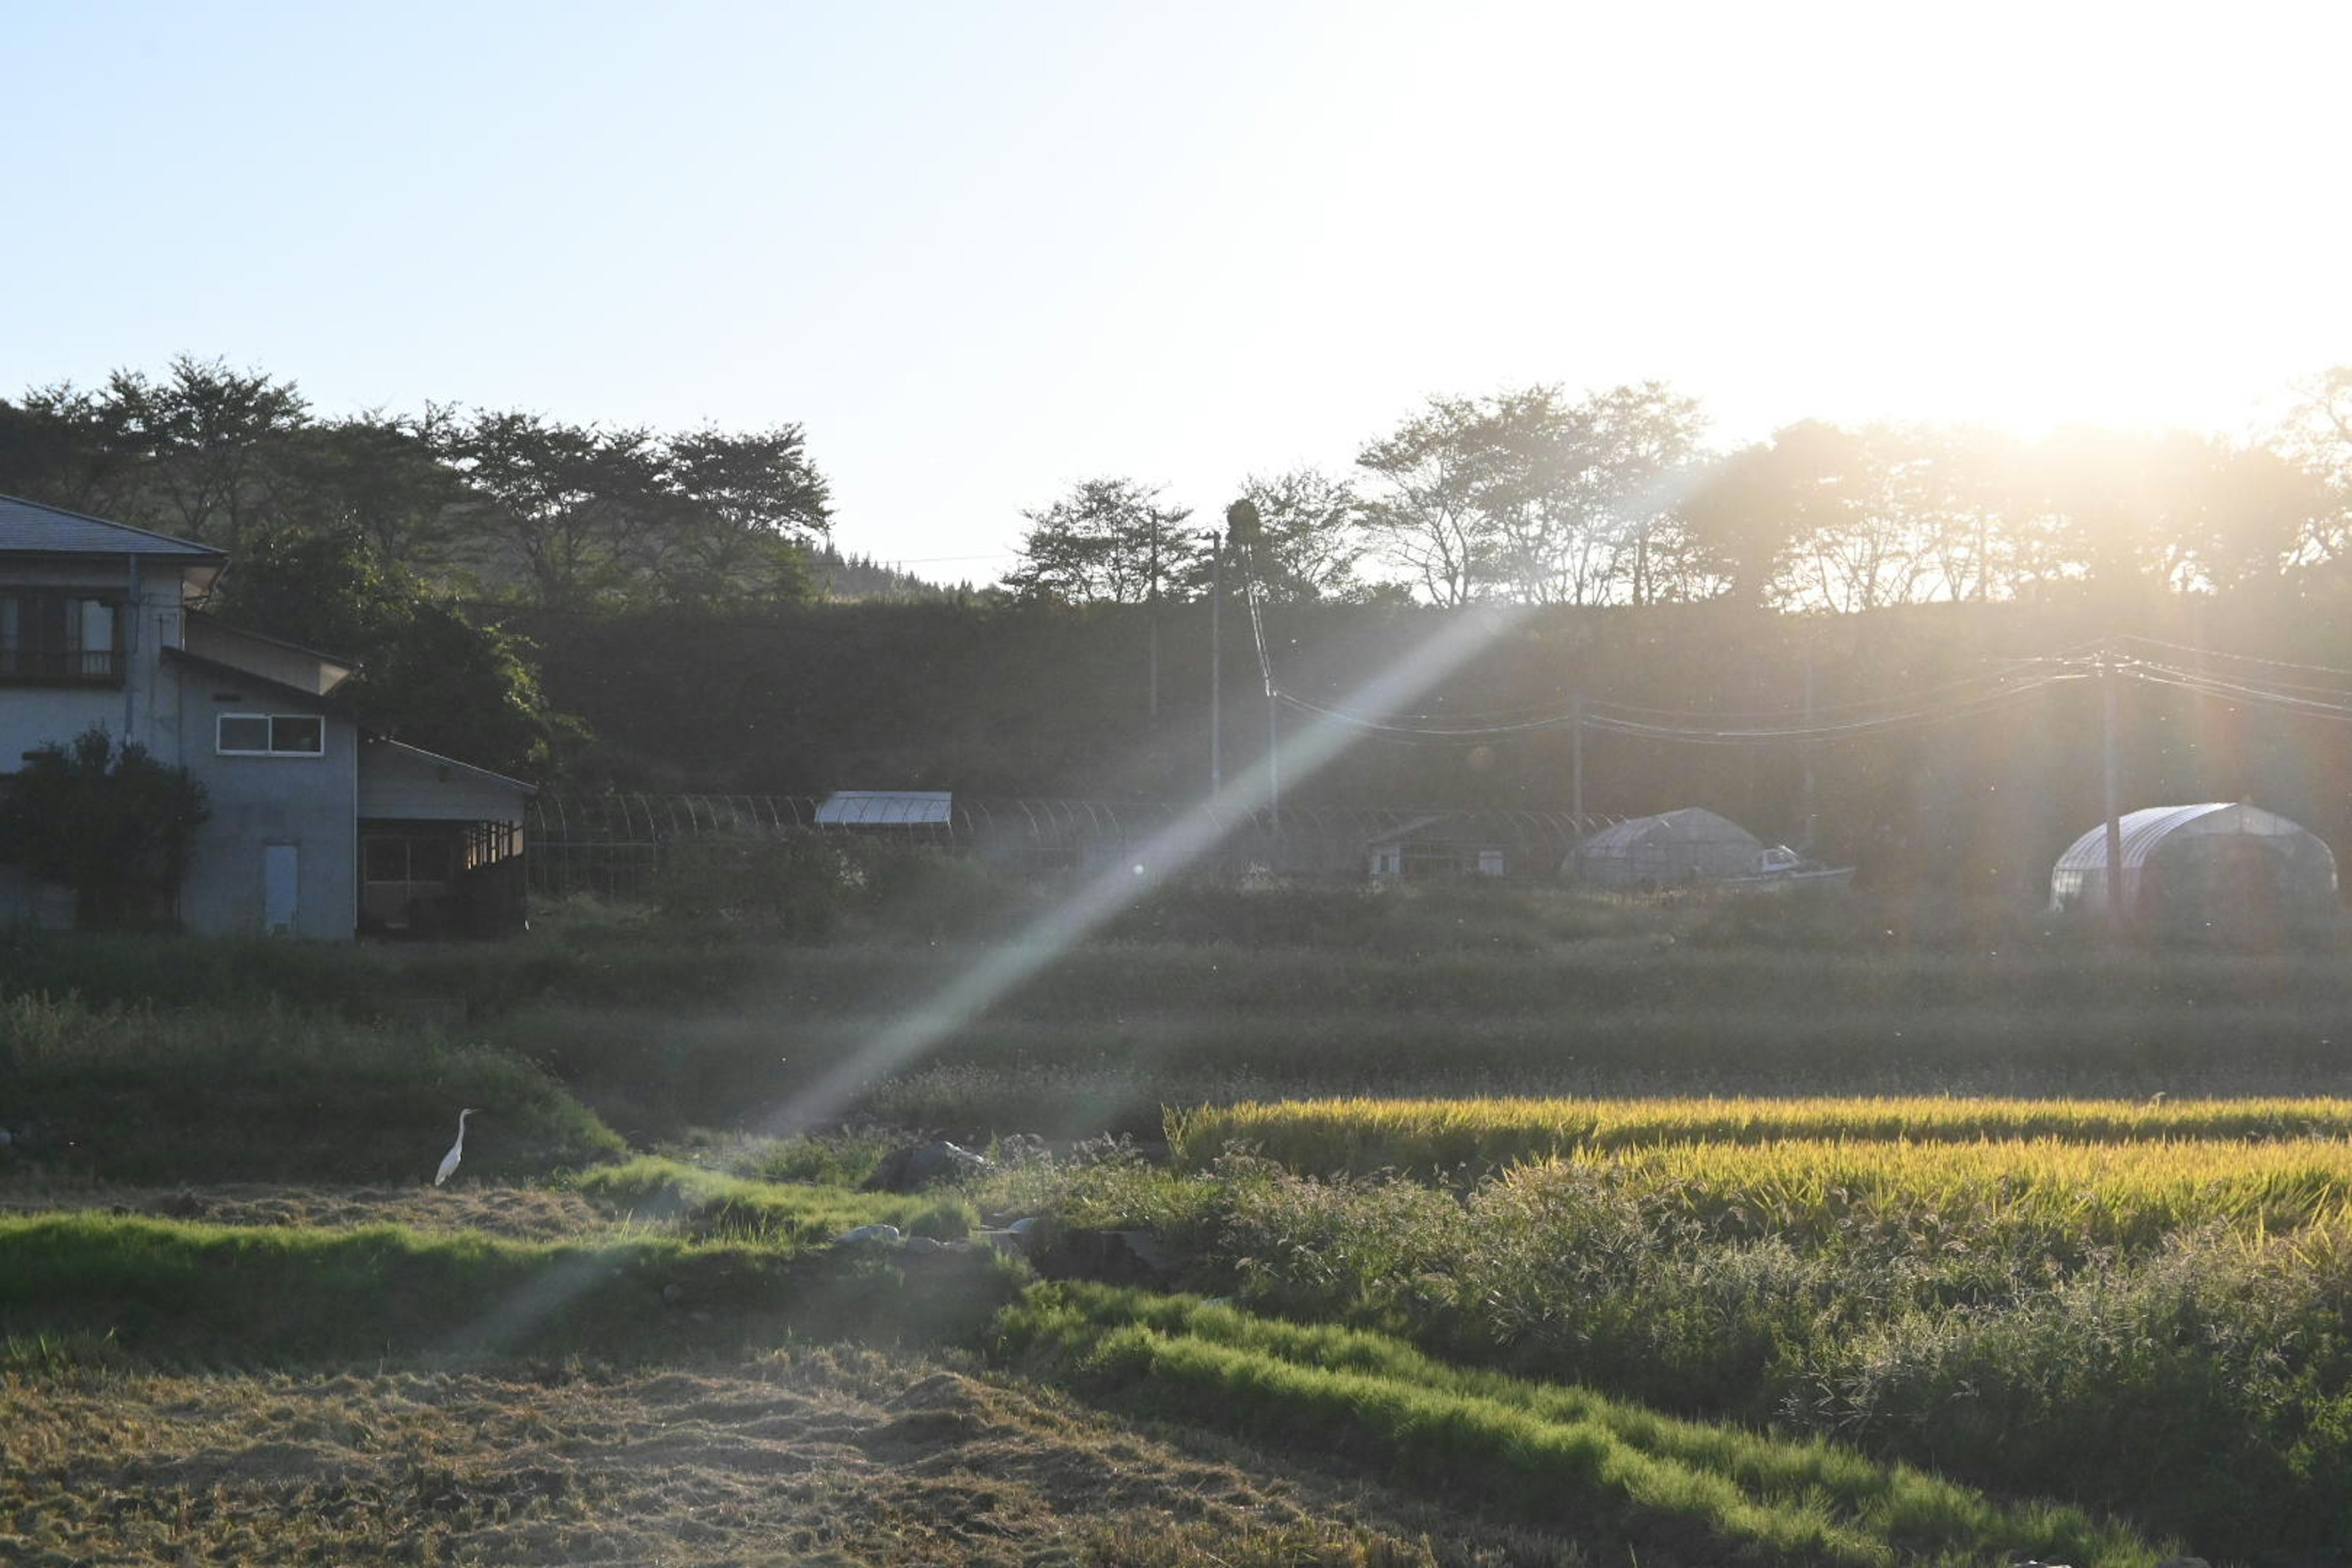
(1576, 763)
(1151, 600)
(2108, 683)
(1216, 663)
(1805, 746)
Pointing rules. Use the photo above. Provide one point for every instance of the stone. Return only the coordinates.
(919, 1167)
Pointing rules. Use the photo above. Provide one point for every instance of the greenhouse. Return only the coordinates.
(1692, 844)
(2222, 870)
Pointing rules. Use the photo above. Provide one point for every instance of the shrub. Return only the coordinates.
(111, 823)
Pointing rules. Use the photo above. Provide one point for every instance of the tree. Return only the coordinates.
(1583, 497)
(745, 509)
(203, 446)
(110, 823)
(1310, 537)
(380, 481)
(571, 517)
(428, 674)
(1108, 541)
(1427, 521)
(1529, 495)
(59, 444)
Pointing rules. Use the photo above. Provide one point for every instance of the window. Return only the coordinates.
(59, 636)
(271, 735)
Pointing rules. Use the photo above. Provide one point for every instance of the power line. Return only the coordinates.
(2236, 658)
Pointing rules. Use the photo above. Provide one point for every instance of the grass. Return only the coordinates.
(2154, 1327)
(138, 1093)
(180, 1293)
(713, 1204)
(1541, 1453)
(1428, 1137)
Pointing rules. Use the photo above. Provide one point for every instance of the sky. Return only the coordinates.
(982, 251)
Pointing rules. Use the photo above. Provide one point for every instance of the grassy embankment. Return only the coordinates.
(2148, 1317)
(1206, 995)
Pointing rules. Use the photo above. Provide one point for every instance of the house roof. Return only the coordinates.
(322, 702)
(28, 527)
(434, 759)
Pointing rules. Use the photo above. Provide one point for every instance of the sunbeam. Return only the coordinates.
(923, 1026)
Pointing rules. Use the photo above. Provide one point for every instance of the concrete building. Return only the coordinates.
(100, 627)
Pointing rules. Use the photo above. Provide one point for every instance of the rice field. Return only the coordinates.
(1433, 1137)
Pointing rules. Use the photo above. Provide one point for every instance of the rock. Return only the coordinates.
(884, 1234)
(673, 1293)
(925, 1245)
(912, 1169)
(1111, 1257)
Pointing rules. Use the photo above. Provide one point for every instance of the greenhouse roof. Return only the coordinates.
(885, 808)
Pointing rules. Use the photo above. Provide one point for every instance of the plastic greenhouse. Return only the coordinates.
(1692, 844)
(2230, 871)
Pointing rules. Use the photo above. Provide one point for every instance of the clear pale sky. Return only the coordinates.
(981, 251)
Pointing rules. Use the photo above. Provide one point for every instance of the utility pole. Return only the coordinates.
(2108, 683)
(1151, 596)
(1576, 763)
(1805, 747)
(1216, 663)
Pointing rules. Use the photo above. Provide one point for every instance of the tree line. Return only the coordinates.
(1539, 496)
(400, 538)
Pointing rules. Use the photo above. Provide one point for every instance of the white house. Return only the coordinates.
(317, 829)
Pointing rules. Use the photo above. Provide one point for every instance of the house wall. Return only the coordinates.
(139, 708)
(261, 806)
(35, 716)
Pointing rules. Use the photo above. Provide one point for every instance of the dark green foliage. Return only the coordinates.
(364, 983)
(270, 1093)
(428, 674)
(110, 822)
(793, 886)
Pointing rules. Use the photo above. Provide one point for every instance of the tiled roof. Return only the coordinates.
(30, 527)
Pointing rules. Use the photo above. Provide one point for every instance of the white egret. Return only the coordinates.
(449, 1161)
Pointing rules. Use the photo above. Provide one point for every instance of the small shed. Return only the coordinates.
(441, 850)
(2226, 871)
(1439, 845)
(1692, 844)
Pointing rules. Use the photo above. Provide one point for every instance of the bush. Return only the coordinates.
(113, 825)
(796, 884)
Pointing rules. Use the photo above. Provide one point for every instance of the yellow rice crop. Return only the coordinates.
(1976, 1194)
(1432, 1136)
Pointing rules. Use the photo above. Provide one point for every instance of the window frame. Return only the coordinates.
(25, 612)
(221, 749)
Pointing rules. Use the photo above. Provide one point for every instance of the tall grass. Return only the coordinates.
(137, 1093)
(1432, 1136)
(1548, 1454)
(177, 1292)
(712, 1203)
(2031, 1316)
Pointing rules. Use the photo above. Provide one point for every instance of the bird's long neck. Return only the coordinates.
(461, 1127)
